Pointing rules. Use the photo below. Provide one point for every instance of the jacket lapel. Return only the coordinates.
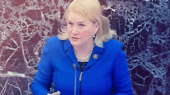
(96, 54)
(70, 52)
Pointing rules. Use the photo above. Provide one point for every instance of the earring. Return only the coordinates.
(94, 35)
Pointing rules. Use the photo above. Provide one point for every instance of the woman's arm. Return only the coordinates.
(43, 78)
(121, 76)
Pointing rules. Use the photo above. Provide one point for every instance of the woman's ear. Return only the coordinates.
(96, 26)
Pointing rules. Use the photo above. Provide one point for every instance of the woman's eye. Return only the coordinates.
(81, 24)
(70, 23)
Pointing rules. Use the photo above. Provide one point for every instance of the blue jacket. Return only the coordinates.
(106, 72)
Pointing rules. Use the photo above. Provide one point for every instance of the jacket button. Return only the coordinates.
(95, 56)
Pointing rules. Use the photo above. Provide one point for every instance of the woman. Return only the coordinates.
(84, 60)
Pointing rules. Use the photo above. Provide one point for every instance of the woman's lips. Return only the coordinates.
(74, 38)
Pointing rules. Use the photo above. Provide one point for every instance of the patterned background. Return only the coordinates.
(142, 25)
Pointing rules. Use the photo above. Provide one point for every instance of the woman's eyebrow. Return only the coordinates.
(77, 22)
(81, 22)
(69, 20)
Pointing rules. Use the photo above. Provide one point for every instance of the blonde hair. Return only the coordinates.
(91, 10)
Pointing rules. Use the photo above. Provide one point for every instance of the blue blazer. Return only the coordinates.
(106, 73)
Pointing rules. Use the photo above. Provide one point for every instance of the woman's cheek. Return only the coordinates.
(69, 30)
(86, 33)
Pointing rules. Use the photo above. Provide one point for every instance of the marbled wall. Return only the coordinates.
(142, 25)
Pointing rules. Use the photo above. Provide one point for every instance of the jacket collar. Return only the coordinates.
(96, 54)
(70, 52)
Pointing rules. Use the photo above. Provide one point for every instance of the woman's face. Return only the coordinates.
(80, 31)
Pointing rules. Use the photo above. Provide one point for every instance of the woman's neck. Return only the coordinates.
(83, 50)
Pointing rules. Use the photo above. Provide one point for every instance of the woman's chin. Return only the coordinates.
(75, 43)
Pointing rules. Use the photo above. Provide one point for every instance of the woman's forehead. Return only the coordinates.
(76, 17)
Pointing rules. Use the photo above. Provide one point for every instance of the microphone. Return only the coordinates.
(74, 66)
(80, 80)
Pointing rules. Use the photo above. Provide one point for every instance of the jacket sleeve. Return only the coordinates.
(121, 76)
(42, 81)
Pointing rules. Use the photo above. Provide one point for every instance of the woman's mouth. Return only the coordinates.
(74, 38)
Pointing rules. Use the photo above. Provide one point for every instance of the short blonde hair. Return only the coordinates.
(91, 10)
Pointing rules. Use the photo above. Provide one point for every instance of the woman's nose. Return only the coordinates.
(74, 29)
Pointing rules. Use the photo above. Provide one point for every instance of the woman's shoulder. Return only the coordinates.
(53, 41)
(115, 47)
(113, 44)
